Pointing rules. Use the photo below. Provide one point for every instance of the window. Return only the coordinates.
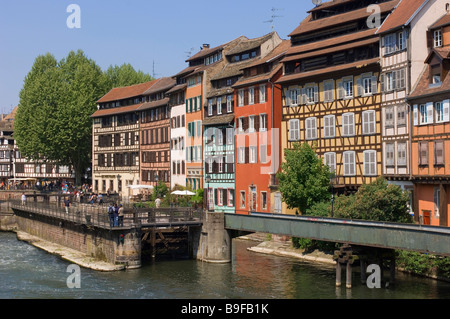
(401, 40)
(390, 80)
(262, 94)
(348, 124)
(370, 163)
(328, 88)
(220, 160)
(210, 164)
(230, 198)
(389, 117)
(401, 154)
(439, 153)
(330, 160)
(401, 115)
(437, 201)
(311, 128)
(294, 130)
(367, 85)
(241, 97)
(241, 154)
(423, 119)
(437, 37)
(439, 111)
(348, 87)
(251, 95)
(229, 104)
(210, 107)
(219, 105)
(243, 199)
(423, 153)
(220, 197)
(253, 154)
(329, 126)
(263, 122)
(241, 125)
(349, 163)
(312, 95)
(368, 122)
(264, 200)
(263, 153)
(230, 136)
(389, 43)
(293, 97)
(251, 123)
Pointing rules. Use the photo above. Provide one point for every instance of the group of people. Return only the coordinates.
(115, 214)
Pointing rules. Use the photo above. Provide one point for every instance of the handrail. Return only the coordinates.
(97, 215)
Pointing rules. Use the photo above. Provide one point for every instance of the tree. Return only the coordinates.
(377, 201)
(304, 180)
(124, 75)
(53, 119)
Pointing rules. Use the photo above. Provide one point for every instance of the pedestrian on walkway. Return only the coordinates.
(67, 204)
(120, 215)
(24, 199)
(111, 214)
(116, 215)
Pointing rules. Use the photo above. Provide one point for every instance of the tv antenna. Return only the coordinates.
(273, 17)
(154, 74)
(189, 53)
(316, 2)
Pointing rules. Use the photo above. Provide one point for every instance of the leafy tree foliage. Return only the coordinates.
(124, 75)
(304, 180)
(53, 121)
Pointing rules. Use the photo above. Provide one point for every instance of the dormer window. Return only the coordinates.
(436, 79)
(437, 38)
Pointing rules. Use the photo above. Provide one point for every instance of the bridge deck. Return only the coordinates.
(426, 239)
(97, 216)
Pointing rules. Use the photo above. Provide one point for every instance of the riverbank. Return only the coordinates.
(68, 254)
(283, 247)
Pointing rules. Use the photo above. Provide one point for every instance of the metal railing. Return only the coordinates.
(97, 215)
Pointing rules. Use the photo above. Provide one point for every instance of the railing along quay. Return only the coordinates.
(97, 215)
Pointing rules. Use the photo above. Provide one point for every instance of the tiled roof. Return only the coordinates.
(327, 71)
(249, 44)
(153, 104)
(280, 50)
(163, 84)
(116, 110)
(216, 120)
(443, 21)
(423, 87)
(127, 92)
(405, 10)
(258, 78)
(309, 25)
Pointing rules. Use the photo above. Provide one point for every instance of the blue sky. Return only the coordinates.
(139, 32)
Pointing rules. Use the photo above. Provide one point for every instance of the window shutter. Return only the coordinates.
(416, 114)
(423, 153)
(216, 198)
(382, 83)
(316, 94)
(439, 152)
(374, 84)
(288, 98)
(247, 155)
(359, 88)
(430, 112)
(341, 90)
(446, 109)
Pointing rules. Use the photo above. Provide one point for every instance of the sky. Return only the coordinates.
(153, 36)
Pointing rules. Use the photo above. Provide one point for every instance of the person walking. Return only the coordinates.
(111, 214)
(116, 215)
(24, 199)
(67, 204)
(120, 215)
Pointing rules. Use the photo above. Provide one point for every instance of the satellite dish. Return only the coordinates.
(316, 2)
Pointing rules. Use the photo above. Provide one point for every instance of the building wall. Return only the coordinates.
(178, 155)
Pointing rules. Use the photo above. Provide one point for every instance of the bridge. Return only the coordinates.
(412, 237)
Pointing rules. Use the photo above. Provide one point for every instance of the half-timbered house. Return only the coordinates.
(331, 90)
(430, 151)
(154, 130)
(115, 131)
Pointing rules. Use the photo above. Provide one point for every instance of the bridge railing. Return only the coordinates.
(97, 215)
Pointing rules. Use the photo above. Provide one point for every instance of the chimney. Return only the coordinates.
(205, 46)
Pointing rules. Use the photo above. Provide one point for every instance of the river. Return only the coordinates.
(27, 272)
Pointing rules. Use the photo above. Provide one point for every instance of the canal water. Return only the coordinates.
(27, 272)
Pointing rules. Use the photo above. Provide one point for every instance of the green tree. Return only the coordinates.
(304, 180)
(56, 102)
(124, 75)
(377, 201)
(53, 121)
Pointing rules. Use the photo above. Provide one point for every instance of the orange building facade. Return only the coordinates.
(430, 147)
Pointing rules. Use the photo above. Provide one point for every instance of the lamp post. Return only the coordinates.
(207, 180)
(332, 179)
